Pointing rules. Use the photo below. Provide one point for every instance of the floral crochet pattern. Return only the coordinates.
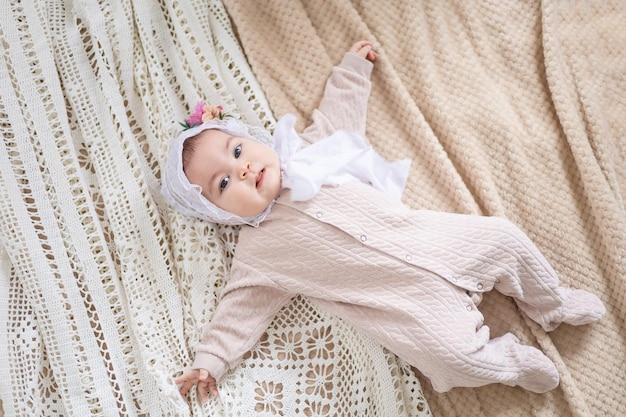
(203, 113)
(269, 397)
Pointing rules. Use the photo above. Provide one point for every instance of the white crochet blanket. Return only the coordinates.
(104, 291)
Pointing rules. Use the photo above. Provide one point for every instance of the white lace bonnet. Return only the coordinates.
(187, 198)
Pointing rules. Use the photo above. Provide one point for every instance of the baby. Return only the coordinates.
(327, 223)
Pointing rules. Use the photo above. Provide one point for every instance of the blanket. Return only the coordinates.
(513, 109)
(104, 289)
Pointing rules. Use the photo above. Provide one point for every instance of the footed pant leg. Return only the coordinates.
(534, 284)
(501, 360)
(491, 252)
(434, 325)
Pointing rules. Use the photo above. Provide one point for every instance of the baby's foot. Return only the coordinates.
(539, 374)
(580, 307)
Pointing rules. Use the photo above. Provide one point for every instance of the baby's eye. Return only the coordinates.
(237, 151)
(224, 183)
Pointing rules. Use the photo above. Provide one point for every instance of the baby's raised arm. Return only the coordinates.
(344, 103)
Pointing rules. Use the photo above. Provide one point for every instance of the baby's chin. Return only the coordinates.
(254, 213)
(248, 212)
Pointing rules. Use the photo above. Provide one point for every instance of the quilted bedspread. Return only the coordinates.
(514, 109)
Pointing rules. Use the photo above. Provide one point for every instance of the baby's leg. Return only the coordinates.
(491, 252)
(435, 326)
(501, 360)
(454, 348)
(535, 286)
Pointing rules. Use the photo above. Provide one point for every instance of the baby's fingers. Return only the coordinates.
(360, 45)
(364, 49)
(213, 388)
(186, 386)
(204, 388)
(202, 391)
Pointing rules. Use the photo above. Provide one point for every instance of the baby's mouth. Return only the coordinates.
(259, 178)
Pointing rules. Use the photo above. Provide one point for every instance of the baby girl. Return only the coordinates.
(325, 221)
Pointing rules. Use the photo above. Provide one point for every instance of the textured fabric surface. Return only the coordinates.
(104, 290)
(514, 109)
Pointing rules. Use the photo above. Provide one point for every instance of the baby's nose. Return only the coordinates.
(244, 169)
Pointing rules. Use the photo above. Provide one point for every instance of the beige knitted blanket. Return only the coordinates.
(516, 109)
(508, 108)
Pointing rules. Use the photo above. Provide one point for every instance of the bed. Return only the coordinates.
(512, 109)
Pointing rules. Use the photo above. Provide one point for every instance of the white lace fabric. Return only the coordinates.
(104, 289)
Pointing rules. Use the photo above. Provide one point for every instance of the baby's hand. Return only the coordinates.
(201, 377)
(365, 50)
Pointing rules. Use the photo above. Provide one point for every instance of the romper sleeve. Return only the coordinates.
(242, 315)
(344, 103)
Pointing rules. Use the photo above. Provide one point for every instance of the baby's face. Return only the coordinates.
(238, 175)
